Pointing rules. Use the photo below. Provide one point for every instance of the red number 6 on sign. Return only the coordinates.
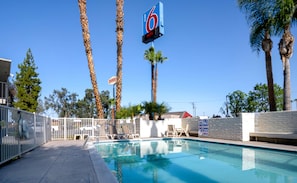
(151, 17)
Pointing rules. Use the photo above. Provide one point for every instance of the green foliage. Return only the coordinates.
(149, 108)
(27, 85)
(237, 102)
(255, 101)
(150, 55)
(66, 104)
(279, 93)
(129, 112)
(162, 109)
(62, 102)
(40, 108)
(86, 107)
(106, 102)
(152, 109)
(285, 14)
(260, 16)
(154, 57)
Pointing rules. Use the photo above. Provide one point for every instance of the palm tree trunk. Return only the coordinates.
(153, 82)
(87, 43)
(119, 30)
(271, 96)
(287, 85)
(156, 83)
(267, 46)
(286, 51)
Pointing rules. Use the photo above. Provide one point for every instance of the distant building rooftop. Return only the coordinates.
(181, 114)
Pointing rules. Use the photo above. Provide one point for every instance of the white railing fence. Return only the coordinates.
(20, 132)
(77, 128)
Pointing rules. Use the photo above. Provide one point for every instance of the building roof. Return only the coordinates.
(180, 114)
(4, 69)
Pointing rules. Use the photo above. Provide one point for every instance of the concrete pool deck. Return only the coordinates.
(68, 161)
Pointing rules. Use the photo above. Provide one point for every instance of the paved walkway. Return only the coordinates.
(54, 162)
(68, 162)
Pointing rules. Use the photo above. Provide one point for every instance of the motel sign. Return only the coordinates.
(153, 23)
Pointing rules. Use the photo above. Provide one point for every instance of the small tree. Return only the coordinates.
(86, 107)
(129, 112)
(62, 102)
(149, 108)
(27, 85)
(153, 109)
(255, 101)
(237, 102)
(162, 109)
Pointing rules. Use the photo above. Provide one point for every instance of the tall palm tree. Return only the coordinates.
(87, 43)
(260, 18)
(150, 56)
(119, 30)
(285, 16)
(154, 58)
(159, 59)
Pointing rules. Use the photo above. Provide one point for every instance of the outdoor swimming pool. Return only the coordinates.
(180, 161)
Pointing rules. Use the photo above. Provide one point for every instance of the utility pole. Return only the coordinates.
(227, 111)
(295, 100)
(194, 109)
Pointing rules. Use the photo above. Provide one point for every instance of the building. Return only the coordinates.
(4, 83)
(181, 114)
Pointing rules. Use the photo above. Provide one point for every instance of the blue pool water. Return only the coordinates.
(181, 161)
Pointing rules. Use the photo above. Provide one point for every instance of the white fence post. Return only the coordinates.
(65, 129)
(34, 121)
(93, 133)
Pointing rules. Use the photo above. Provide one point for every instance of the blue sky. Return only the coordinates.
(206, 42)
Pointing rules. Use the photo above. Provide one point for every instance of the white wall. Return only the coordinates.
(248, 125)
(280, 122)
(228, 128)
(150, 128)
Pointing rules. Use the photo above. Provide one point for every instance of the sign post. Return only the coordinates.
(113, 81)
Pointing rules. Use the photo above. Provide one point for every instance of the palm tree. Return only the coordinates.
(150, 108)
(161, 109)
(154, 58)
(285, 16)
(87, 43)
(260, 18)
(150, 56)
(119, 30)
(159, 59)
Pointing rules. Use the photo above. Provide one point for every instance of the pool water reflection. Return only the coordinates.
(178, 161)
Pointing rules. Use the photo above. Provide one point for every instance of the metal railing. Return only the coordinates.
(20, 132)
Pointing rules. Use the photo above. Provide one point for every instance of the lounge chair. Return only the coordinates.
(128, 134)
(171, 131)
(110, 134)
(182, 131)
(113, 133)
(187, 130)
